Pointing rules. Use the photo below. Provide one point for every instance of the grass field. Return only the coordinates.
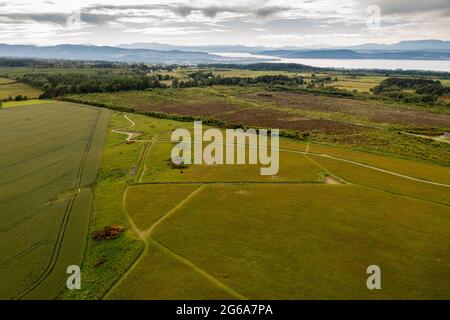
(32, 102)
(368, 125)
(4, 81)
(204, 234)
(10, 88)
(221, 231)
(49, 160)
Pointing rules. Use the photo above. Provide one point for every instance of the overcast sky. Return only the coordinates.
(249, 22)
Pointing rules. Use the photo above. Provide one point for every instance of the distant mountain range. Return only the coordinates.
(171, 54)
(84, 52)
(404, 50)
(426, 45)
(208, 49)
(423, 45)
(361, 54)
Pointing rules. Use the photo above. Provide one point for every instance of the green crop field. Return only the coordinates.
(10, 88)
(364, 182)
(224, 232)
(4, 81)
(49, 159)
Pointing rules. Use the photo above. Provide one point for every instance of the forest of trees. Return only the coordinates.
(81, 64)
(59, 84)
(202, 79)
(293, 67)
(425, 90)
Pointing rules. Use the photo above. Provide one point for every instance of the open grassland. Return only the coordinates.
(14, 89)
(14, 72)
(32, 102)
(4, 81)
(49, 159)
(159, 169)
(301, 242)
(202, 234)
(367, 125)
(356, 83)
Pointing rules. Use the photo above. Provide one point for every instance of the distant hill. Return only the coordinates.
(361, 54)
(407, 45)
(85, 52)
(212, 48)
(416, 45)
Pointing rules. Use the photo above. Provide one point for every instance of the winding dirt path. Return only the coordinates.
(130, 134)
(343, 160)
(145, 235)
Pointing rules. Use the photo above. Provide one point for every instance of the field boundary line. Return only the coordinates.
(381, 170)
(143, 235)
(149, 231)
(225, 182)
(199, 270)
(138, 259)
(341, 159)
(63, 226)
(327, 171)
(148, 236)
(145, 157)
(6, 83)
(401, 195)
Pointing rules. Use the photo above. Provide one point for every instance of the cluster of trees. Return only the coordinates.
(293, 67)
(16, 98)
(59, 84)
(425, 90)
(203, 79)
(50, 63)
(80, 64)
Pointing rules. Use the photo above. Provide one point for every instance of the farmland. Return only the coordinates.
(372, 126)
(11, 88)
(49, 160)
(223, 232)
(362, 181)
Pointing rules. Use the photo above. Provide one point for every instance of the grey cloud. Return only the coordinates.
(270, 10)
(207, 10)
(212, 11)
(57, 18)
(390, 7)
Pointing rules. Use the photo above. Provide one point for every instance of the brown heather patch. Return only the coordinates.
(199, 109)
(374, 111)
(267, 118)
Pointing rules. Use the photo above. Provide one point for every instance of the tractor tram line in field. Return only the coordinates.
(57, 125)
(55, 176)
(63, 226)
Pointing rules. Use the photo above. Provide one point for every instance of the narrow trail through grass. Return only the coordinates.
(145, 235)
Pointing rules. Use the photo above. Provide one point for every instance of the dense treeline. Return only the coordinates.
(201, 79)
(425, 90)
(293, 67)
(79, 64)
(59, 84)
